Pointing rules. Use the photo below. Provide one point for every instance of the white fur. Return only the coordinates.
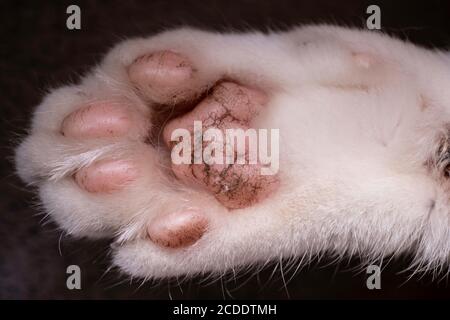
(354, 141)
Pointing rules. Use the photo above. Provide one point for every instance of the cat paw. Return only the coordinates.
(145, 150)
(102, 153)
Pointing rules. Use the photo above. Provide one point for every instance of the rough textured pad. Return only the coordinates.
(234, 185)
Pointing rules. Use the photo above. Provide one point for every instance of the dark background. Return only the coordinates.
(38, 53)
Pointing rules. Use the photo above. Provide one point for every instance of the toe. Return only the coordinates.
(178, 229)
(102, 120)
(160, 75)
(106, 176)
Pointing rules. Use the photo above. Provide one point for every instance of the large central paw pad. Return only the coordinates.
(226, 163)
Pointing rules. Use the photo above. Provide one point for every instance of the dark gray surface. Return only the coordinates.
(41, 53)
